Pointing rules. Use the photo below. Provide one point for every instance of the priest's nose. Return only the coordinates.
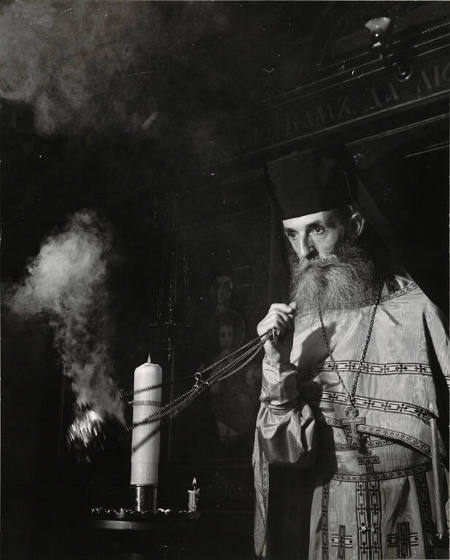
(305, 249)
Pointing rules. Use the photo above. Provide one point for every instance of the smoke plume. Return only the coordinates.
(67, 282)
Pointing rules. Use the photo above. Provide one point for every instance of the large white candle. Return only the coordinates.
(145, 438)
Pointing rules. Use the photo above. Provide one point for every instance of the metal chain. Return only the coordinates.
(350, 394)
(224, 374)
(228, 368)
(164, 410)
(251, 344)
(172, 408)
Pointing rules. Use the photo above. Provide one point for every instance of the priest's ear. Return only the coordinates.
(357, 223)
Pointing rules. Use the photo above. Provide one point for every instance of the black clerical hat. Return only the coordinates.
(306, 183)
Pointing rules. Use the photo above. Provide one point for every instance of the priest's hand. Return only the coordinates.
(281, 317)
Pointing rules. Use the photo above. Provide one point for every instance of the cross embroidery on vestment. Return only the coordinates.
(368, 510)
(342, 541)
(403, 540)
(369, 461)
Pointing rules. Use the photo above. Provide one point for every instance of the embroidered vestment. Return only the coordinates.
(364, 502)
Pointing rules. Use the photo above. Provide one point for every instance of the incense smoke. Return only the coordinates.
(67, 282)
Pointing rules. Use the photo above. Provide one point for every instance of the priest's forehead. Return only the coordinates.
(327, 218)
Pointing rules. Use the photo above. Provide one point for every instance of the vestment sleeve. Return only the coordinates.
(435, 324)
(285, 426)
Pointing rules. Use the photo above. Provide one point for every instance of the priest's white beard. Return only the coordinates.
(346, 279)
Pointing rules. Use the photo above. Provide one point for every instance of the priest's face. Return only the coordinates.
(332, 270)
(315, 235)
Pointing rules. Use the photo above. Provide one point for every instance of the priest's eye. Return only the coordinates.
(317, 230)
(290, 233)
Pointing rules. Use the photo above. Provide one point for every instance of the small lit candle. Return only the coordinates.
(193, 496)
(145, 437)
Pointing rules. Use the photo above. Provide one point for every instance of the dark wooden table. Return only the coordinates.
(203, 535)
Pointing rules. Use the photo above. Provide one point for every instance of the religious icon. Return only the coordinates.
(234, 401)
(221, 288)
(221, 291)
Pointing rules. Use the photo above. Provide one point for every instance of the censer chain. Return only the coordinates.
(252, 343)
(179, 403)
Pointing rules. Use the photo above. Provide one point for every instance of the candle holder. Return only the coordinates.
(145, 498)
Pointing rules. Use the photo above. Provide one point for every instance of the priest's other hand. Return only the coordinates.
(281, 317)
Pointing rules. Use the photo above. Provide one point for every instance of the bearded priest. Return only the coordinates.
(348, 462)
